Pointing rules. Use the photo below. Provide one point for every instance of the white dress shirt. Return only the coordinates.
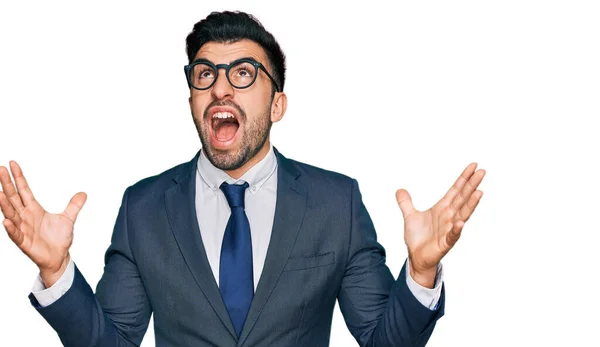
(213, 213)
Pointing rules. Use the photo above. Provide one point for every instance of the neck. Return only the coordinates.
(237, 173)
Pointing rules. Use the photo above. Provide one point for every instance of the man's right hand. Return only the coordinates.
(44, 237)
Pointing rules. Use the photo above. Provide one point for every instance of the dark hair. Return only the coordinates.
(229, 27)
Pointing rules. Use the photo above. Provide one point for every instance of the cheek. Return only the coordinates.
(255, 107)
(198, 106)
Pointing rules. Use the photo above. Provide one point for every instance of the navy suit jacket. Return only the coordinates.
(323, 247)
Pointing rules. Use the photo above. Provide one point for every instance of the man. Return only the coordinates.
(240, 246)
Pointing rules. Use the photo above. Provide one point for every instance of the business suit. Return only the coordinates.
(323, 246)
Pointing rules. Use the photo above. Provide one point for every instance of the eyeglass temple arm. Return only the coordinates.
(185, 71)
(271, 77)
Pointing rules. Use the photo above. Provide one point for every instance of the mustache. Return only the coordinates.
(227, 103)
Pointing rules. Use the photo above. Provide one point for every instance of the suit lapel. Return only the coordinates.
(289, 213)
(181, 211)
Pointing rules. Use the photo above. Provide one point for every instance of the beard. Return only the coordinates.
(256, 132)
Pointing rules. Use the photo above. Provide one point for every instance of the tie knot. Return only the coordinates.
(234, 193)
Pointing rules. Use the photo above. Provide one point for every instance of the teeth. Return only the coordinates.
(223, 115)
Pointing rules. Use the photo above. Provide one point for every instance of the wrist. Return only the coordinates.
(51, 276)
(423, 276)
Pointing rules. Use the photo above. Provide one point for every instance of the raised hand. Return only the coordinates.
(44, 237)
(430, 234)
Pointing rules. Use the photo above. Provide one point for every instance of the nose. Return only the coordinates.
(222, 89)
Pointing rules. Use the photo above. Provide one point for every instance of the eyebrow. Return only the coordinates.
(204, 60)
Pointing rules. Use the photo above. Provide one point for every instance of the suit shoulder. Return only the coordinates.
(319, 177)
(157, 184)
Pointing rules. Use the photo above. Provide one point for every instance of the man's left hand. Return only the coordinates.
(430, 234)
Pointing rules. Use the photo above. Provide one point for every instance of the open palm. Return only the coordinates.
(430, 234)
(44, 237)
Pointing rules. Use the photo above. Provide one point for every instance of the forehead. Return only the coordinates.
(225, 53)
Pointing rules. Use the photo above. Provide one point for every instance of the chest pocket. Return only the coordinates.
(303, 263)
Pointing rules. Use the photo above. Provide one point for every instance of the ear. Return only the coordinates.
(190, 102)
(278, 106)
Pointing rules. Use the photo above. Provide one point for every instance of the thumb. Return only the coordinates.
(405, 202)
(75, 205)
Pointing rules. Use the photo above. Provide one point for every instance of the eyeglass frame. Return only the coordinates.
(258, 66)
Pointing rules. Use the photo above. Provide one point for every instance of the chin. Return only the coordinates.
(227, 159)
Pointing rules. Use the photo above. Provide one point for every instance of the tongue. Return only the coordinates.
(225, 131)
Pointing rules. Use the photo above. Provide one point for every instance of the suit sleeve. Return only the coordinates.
(118, 314)
(378, 310)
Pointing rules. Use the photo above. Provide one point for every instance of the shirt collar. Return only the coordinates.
(213, 177)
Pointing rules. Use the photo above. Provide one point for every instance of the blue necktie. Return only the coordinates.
(235, 272)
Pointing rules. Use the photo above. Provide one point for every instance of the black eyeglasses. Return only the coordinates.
(202, 74)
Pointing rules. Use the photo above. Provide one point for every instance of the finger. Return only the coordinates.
(13, 232)
(405, 202)
(21, 182)
(467, 190)
(9, 190)
(460, 182)
(467, 210)
(455, 233)
(8, 211)
(75, 205)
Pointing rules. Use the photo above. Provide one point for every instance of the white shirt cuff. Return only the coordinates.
(428, 297)
(47, 297)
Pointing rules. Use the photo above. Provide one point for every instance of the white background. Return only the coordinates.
(93, 98)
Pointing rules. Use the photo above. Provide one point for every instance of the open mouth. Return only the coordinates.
(224, 126)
